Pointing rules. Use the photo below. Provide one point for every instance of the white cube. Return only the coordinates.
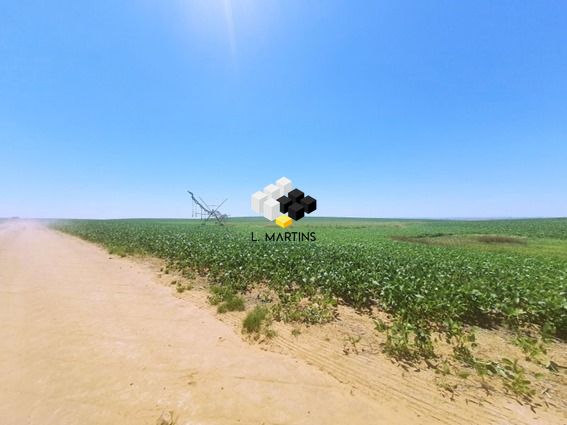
(273, 191)
(258, 200)
(271, 209)
(285, 184)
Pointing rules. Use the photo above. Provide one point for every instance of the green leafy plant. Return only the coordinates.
(515, 379)
(532, 347)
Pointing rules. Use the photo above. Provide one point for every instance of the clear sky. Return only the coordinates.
(376, 108)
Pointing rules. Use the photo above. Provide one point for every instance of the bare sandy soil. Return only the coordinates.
(87, 338)
(90, 340)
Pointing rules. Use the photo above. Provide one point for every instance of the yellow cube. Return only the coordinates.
(284, 221)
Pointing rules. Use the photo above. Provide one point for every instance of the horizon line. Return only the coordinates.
(480, 218)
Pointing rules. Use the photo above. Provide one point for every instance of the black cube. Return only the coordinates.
(309, 203)
(285, 203)
(296, 211)
(296, 195)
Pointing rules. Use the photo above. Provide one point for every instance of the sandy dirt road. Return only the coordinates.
(86, 339)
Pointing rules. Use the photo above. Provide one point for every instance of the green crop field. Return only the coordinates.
(430, 275)
(424, 283)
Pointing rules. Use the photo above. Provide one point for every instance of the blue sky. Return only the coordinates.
(376, 108)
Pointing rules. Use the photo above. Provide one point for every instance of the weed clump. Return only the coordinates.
(226, 299)
(234, 303)
(220, 293)
(310, 309)
(253, 321)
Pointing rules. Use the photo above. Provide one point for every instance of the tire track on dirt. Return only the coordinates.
(377, 377)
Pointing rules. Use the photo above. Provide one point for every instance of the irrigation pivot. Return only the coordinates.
(205, 212)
